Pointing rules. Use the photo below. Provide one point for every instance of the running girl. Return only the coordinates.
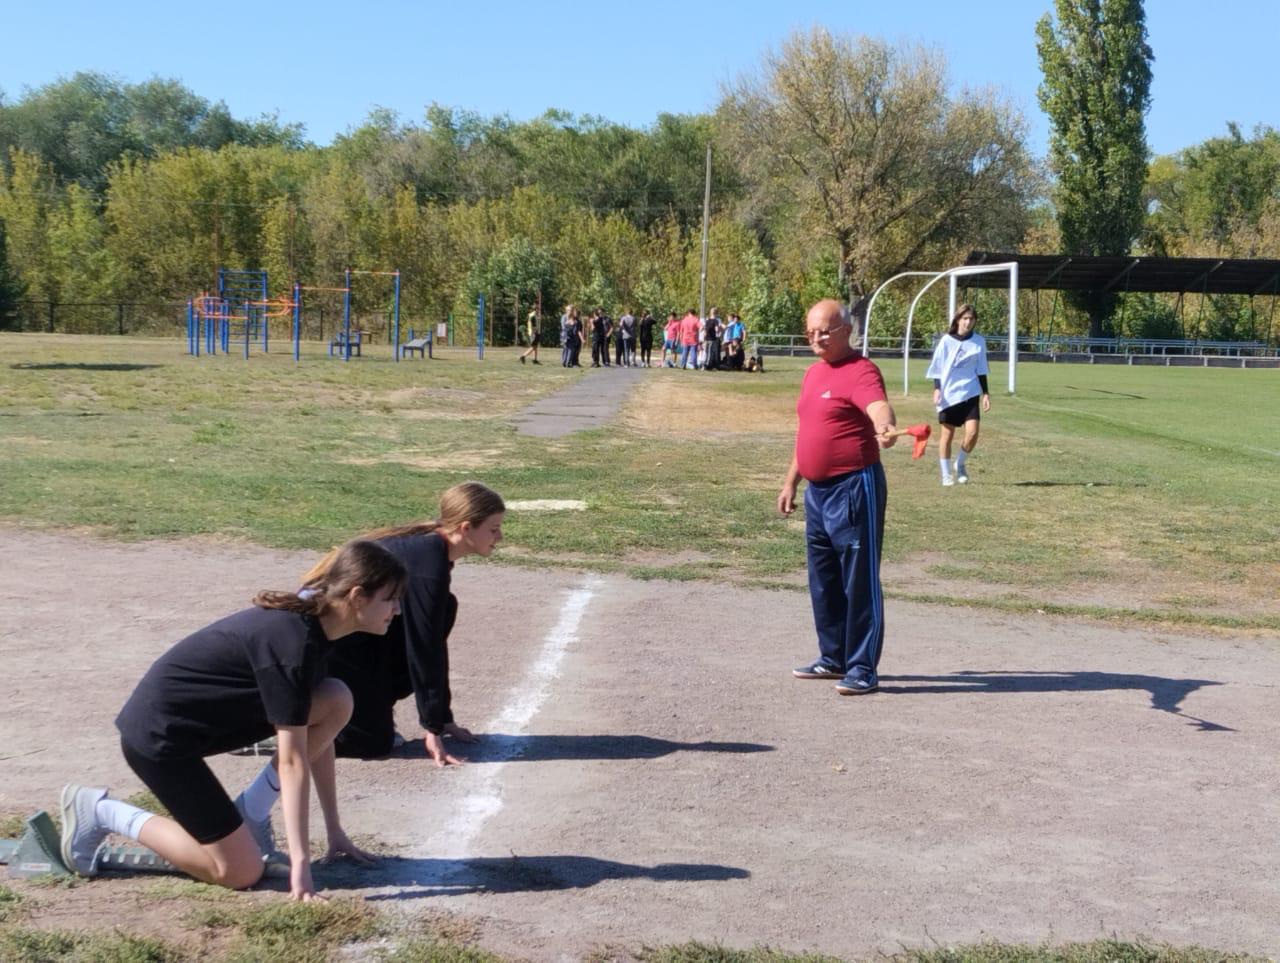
(415, 658)
(959, 373)
(229, 684)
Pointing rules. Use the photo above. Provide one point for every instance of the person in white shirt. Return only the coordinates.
(959, 373)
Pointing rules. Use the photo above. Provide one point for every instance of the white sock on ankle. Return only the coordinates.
(120, 817)
(961, 456)
(945, 464)
(262, 793)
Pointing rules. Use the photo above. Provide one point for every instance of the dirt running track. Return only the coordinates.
(651, 773)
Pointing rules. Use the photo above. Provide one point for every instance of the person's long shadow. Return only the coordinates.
(417, 878)
(1166, 694)
(500, 747)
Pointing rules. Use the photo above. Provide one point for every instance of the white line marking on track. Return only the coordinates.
(485, 798)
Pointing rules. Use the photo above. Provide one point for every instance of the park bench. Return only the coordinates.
(339, 343)
(420, 345)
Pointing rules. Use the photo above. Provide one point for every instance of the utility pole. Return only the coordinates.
(706, 218)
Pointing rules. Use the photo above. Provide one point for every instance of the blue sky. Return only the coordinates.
(327, 65)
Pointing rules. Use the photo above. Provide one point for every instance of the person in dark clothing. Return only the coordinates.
(601, 328)
(415, 658)
(238, 680)
(711, 339)
(646, 339)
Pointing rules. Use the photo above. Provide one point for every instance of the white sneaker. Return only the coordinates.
(82, 836)
(962, 476)
(261, 830)
(947, 481)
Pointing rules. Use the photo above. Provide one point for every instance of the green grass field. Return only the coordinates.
(1113, 492)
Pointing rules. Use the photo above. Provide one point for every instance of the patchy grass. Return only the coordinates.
(1113, 488)
(43, 946)
(11, 904)
(289, 932)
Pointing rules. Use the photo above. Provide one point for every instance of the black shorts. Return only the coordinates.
(190, 791)
(957, 415)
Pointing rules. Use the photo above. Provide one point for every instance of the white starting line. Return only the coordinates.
(485, 798)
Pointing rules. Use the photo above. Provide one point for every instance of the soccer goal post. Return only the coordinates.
(951, 275)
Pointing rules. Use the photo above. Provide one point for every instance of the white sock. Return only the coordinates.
(262, 793)
(960, 459)
(945, 464)
(120, 817)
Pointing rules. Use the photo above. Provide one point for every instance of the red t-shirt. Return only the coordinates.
(689, 325)
(835, 435)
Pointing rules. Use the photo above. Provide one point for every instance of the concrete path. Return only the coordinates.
(590, 402)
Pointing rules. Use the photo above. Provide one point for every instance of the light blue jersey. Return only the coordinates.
(956, 365)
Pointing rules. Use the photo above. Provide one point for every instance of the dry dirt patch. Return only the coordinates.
(675, 407)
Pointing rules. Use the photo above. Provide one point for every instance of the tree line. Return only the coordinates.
(837, 163)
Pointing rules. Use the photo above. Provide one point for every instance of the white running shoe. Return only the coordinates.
(962, 476)
(947, 481)
(82, 835)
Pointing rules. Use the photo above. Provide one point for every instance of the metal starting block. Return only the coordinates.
(38, 853)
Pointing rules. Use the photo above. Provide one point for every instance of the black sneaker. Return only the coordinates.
(817, 670)
(857, 685)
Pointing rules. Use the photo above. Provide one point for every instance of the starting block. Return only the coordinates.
(39, 853)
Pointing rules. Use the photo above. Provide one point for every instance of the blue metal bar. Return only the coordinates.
(397, 316)
(346, 316)
(297, 320)
(480, 328)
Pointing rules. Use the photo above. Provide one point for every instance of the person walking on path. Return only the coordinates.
(229, 684)
(646, 339)
(533, 330)
(959, 372)
(844, 420)
(414, 660)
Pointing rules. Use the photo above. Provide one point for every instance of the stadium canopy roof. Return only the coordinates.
(1192, 275)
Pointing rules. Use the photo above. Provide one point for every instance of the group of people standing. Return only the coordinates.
(321, 668)
(689, 342)
(631, 339)
(705, 344)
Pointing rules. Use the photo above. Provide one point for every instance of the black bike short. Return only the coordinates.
(958, 414)
(190, 791)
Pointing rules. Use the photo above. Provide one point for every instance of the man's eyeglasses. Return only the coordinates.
(821, 334)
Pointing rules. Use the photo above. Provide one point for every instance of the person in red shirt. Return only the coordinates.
(844, 420)
(689, 327)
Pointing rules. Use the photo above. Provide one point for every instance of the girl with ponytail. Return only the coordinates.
(414, 659)
(234, 682)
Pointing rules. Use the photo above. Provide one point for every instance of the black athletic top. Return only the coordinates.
(646, 330)
(427, 613)
(227, 685)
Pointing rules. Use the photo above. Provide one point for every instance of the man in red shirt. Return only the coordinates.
(845, 419)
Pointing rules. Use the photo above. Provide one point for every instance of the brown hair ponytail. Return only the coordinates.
(468, 501)
(361, 563)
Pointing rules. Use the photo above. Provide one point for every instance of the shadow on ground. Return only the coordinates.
(69, 366)
(420, 878)
(498, 747)
(1166, 694)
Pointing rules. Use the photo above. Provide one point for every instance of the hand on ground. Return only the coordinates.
(437, 751)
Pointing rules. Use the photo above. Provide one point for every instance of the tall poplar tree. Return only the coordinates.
(1096, 91)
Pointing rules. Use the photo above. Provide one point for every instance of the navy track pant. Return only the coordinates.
(844, 526)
